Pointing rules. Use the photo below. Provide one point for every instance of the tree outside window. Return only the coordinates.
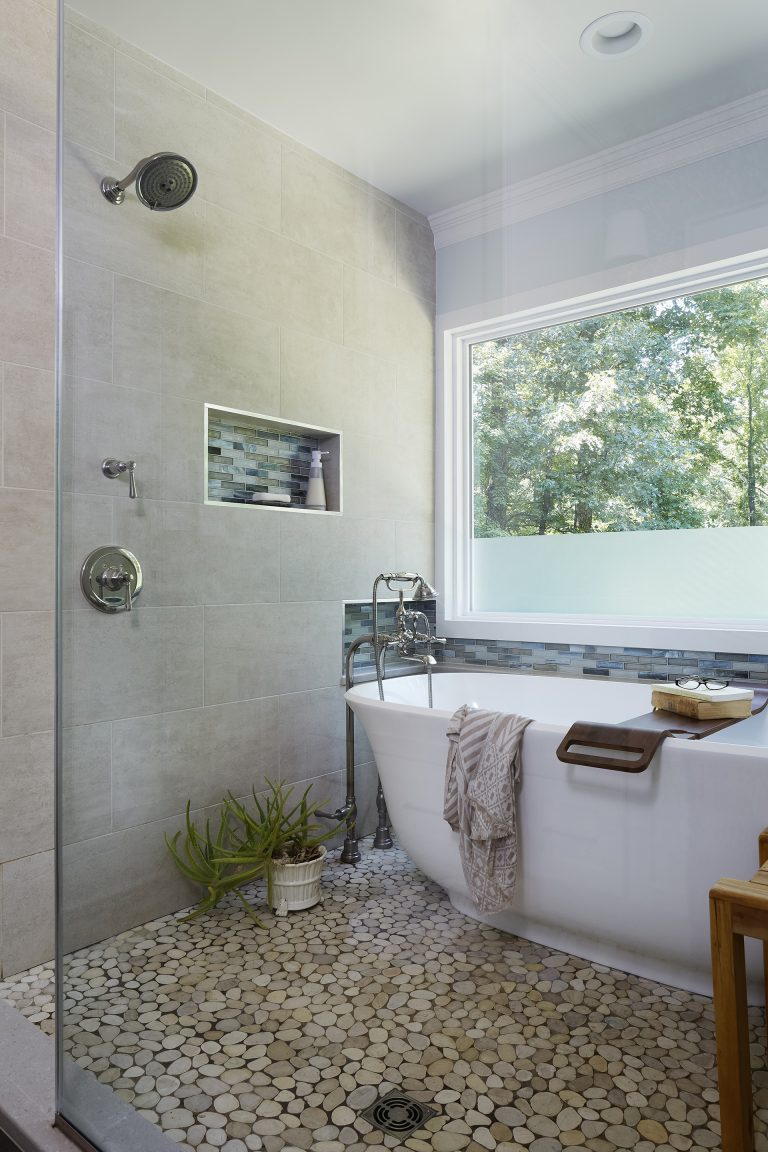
(655, 417)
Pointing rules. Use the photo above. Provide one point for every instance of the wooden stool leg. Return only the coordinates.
(762, 850)
(732, 1029)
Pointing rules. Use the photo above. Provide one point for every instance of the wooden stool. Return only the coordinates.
(737, 908)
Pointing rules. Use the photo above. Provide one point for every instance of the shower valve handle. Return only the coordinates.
(132, 479)
(114, 468)
(116, 578)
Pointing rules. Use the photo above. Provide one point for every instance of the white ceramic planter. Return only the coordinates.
(296, 886)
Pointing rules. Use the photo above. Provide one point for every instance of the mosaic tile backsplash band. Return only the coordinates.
(246, 457)
(599, 660)
(358, 621)
(564, 659)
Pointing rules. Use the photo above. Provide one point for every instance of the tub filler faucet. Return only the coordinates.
(411, 631)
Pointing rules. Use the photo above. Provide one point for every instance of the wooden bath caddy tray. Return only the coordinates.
(639, 737)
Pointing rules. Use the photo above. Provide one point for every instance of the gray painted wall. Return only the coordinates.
(717, 202)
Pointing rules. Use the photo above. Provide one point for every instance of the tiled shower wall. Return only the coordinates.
(294, 290)
(27, 229)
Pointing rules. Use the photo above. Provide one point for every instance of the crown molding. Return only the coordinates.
(696, 138)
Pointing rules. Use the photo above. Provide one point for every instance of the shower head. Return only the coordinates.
(163, 182)
(423, 590)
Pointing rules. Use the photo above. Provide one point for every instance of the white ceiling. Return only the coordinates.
(439, 101)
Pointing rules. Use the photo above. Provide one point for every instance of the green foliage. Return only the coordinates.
(199, 855)
(246, 842)
(275, 831)
(655, 417)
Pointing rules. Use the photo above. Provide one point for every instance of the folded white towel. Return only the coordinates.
(482, 769)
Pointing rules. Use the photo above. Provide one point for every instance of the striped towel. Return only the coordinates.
(483, 767)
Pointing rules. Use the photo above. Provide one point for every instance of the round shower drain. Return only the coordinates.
(397, 1114)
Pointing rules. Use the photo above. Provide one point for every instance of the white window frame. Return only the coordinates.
(454, 476)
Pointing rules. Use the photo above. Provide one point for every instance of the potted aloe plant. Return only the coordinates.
(289, 844)
(276, 838)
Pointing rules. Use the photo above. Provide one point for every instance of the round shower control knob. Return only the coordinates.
(111, 579)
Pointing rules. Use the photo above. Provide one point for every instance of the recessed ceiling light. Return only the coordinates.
(616, 34)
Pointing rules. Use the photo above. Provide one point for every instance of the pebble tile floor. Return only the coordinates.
(234, 1039)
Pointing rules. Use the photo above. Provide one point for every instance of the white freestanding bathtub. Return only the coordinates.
(613, 866)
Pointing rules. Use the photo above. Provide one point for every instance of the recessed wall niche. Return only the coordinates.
(254, 460)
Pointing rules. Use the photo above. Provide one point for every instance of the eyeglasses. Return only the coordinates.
(694, 682)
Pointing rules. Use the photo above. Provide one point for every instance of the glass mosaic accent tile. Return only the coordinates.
(358, 621)
(609, 662)
(246, 457)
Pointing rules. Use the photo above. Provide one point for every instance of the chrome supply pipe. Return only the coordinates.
(350, 852)
(403, 639)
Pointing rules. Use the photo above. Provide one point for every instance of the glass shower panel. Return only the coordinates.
(251, 201)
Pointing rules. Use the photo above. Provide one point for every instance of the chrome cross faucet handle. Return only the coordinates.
(114, 468)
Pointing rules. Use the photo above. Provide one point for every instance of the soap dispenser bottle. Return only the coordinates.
(316, 486)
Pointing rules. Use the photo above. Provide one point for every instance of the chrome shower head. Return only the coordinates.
(423, 590)
(163, 182)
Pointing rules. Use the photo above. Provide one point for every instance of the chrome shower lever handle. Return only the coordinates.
(128, 592)
(132, 479)
(114, 468)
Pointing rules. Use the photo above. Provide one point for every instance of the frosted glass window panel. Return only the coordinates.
(701, 573)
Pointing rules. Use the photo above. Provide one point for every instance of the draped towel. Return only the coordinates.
(481, 773)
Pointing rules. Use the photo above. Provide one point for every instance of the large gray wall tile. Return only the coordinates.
(182, 438)
(118, 881)
(28, 74)
(26, 557)
(415, 256)
(415, 548)
(268, 649)
(141, 663)
(26, 795)
(238, 165)
(87, 327)
(27, 912)
(387, 321)
(89, 68)
(86, 782)
(26, 304)
(201, 554)
(28, 421)
(259, 273)
(312, 735)
(336, 387)
(86, 523)
(30, 167)
(165, 342)
(26, 672)
(390, 478)
(120, 422)
(346, 555)
(2, 174)
(327, 212)
(161, 762)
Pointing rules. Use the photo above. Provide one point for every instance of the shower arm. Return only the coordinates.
(114, 190)
(126, 182)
